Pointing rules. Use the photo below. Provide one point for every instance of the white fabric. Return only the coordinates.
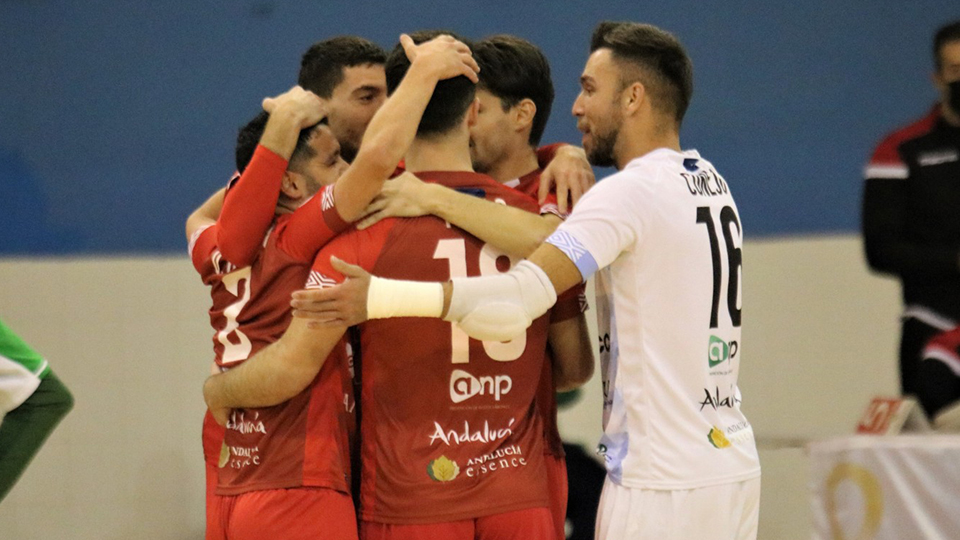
(886, 487)
(397, 298)
(501, 307)
(722, 512)
(890, 171)
(669, 379)
(17, 383)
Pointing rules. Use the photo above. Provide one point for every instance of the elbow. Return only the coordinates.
(568, 380)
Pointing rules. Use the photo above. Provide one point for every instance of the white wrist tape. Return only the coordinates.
(388, 298)
(501, 307)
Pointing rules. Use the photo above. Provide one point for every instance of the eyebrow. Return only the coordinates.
(586, 79)
(368, 88)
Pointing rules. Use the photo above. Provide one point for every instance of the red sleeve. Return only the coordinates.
(545, 154)
(361, 248)
(311, 226)
(249, 207)
(202, 244)
(570, 304)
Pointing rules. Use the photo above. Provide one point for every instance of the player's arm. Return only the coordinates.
(276, 373)
(388, 136)
(494, 307)
(572, 352)
(249, 209)
(566, 172)
(393, 128)
(887, 245)
(206, 214)
(512, 230)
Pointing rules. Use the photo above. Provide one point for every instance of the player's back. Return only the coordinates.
(449, 428)
(670, 315)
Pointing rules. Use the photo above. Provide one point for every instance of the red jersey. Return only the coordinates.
(305, 441)
(449, 427)
(570, 304)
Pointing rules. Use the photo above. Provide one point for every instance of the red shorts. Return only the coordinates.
(305, 513)
(212, 436)
(528, 524)
(557, 488)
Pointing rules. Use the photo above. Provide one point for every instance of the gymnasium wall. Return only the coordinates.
(118, 119)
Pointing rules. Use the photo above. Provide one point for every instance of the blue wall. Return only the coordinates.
(118, 117)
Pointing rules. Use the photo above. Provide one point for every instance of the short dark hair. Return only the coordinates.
(514, 69)
(451, 97)
(945, 34)
(321, 68)
(664, 67)
(250, 134)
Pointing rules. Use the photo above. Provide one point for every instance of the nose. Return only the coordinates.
(577, 109)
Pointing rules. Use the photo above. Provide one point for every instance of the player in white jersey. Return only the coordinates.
(665, 234)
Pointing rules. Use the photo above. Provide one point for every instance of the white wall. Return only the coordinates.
(131, 339)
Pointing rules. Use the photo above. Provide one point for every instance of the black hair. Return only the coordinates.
(451, 97)
(250, 134)
(514, 69)
(661, 61)
(321, 68)
(945, 34)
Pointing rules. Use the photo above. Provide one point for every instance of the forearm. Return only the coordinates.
(206, 214)
(249, 209)
(570, 345)
(269, 378)
(386, 140)
(516, 232)
(887, 244)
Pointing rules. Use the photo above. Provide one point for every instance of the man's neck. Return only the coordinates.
(443, 153)
(634, 143)
(517, 164)
(949, 116)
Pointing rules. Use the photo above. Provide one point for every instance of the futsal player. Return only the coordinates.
(665, 236)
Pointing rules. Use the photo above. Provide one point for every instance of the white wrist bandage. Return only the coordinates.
(388, 298)
(501, 307)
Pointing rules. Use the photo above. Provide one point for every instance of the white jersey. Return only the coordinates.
(666, 234)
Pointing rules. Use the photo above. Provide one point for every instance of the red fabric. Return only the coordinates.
(945, 347)
(887, 152)
(528, 524)
(290, 514)
(249, 207)
(212, 441)
(412, 412)
(307, 439)
(557, 487)
(545, 154)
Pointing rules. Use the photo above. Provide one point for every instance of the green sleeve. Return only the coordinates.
(16, 350)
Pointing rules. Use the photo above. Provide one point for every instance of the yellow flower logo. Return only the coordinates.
(717, 438)
(443, 469)
(224, 455)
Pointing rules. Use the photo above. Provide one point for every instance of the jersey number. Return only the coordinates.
(234, 352)
(454, 250)
(734, 260)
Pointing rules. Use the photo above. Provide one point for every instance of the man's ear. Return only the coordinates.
(523, 114)
(472, 112)
(293, 185)
(633, 97)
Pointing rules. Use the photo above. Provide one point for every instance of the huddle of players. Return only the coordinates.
(455, 438)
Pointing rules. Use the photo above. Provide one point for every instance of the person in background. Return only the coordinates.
(32, 402)
(910, 204)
